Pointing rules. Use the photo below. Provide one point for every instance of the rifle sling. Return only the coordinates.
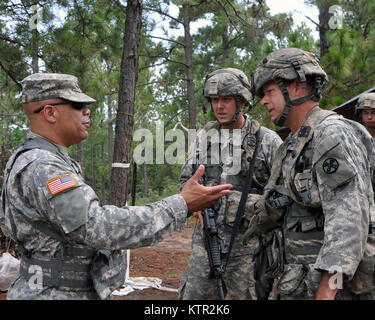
(244, 195)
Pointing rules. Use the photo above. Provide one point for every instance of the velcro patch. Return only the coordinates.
(212, 91)
(61, 183)
(330, 165)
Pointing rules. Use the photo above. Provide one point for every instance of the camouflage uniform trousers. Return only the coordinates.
(238, 277)
(306, 290)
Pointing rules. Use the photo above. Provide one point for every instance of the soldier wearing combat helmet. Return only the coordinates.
(365, 110)
(71, 245)
(317, 205)
(228, 91)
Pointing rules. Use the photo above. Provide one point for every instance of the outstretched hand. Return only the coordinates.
(198, 197)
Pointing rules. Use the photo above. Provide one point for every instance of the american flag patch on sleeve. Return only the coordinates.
(61, 183)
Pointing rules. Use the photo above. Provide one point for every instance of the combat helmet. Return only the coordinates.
(365, 101)
(286, 65)
(229, 82)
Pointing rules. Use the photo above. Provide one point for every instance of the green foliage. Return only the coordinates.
(350, 60)
(88, 42)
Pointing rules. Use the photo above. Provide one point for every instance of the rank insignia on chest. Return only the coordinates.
(61, 183)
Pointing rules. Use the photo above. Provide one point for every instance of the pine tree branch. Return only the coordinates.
(5, 38)
(166, 39)
(317, 24)
(227, 14)
(163, 14)
(10, 75)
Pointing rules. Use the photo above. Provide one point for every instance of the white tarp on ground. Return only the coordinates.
(139, 283)
(9, 268)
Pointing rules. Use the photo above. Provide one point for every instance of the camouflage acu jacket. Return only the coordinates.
(46, 186)
(325, 168)
(226, 157)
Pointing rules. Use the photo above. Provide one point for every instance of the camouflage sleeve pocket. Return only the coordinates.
(334, 168)
(71, 208)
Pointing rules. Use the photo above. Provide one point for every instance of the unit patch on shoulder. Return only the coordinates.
(61, 183)
(330, 165)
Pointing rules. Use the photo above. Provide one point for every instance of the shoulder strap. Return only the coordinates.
(304, 135)
(244, 195)
(211, 125)
(34, 143)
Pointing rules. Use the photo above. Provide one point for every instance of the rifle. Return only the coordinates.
(214, 245)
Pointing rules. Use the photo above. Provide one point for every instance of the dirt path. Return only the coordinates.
(166, 260)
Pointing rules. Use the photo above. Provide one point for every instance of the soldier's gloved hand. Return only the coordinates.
(265, 218)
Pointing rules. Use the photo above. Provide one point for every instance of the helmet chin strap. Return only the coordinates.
(280, 121)
(235, 116)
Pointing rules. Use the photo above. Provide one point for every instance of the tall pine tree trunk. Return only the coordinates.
(324, 17)
(145, 180)
(225, 45)
(93, 166)
(189, 66)
(110, 140)
(35, 49)
(102, 184)
(126, 101)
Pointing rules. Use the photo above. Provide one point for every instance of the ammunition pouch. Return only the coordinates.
(108, 272)
(268, 265)
(299, 281)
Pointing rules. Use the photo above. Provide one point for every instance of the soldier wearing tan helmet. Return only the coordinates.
(70, 244)
(318, 203)
(226, 146)
(365, 110)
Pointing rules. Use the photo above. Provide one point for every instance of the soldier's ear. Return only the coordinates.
(294, 88)
(49, 113)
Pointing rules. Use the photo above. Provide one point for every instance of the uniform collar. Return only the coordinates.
(62, 149)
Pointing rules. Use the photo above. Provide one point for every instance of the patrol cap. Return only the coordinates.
(44, 86)
(365, 101)
(228, 82)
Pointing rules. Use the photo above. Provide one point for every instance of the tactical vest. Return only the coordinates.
(214, 164)
(304, 220)
(72, 268)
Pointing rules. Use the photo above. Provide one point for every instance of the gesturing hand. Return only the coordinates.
(198, 197)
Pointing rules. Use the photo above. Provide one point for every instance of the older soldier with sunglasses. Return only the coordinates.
(71, 245)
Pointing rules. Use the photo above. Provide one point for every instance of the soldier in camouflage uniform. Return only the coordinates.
(71, 245)
(365, 110)
(319, 194)
(227, 160)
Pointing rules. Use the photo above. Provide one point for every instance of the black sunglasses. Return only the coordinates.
(75, 105)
